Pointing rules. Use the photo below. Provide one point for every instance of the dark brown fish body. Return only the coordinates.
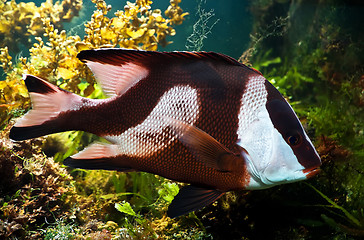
(179, 115)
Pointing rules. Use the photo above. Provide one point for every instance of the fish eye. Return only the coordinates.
(294, 139)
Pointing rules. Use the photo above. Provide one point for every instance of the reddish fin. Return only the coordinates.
(97, 150)
(150, 59)
(118, 70)
(117, 79)
(47, 102)
(206, 148)
(191, 198)
(98, 156)
(95, 164)
(120, 56)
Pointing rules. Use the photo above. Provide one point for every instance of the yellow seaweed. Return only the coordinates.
(19, 21)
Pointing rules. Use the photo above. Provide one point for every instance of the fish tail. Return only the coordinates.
(48, 103)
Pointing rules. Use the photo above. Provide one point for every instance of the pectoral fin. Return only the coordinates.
(205, 148)
(191, 198)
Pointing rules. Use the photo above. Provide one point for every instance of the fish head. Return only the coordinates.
(277, 148)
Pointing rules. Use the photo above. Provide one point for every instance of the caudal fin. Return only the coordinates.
(48, 101)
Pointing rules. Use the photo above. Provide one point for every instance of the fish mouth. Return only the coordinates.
(310, 172)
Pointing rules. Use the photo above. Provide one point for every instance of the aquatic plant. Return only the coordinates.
(13, 94)
(201, 28)
(356, 223)
(60, 230)
(19, 21)
(136, 27)
(278, 27)
(33, 188)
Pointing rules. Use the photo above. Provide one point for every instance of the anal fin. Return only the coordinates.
(98, 156)
(191, 198)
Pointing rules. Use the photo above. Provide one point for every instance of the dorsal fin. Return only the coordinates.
(120, 56)
(115, 80)
(115, 76)
(118, 70)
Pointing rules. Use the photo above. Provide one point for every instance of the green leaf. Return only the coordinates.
(271, 61)
(333, 204)
(116, 195)
(125, 208)
(168, 191)
(82, 86)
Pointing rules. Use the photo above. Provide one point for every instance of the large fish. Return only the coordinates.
(195, 117)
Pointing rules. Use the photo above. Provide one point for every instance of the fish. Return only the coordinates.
(200, 118)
